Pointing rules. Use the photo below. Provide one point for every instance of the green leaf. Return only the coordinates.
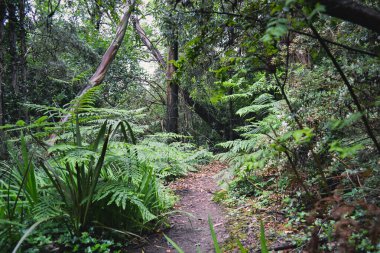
(99, 137)
(26, 234)
(213, 235)
(303, 135)
(278, 147)
(174, 244)
(20, 123)
(345, 151)
(289, 2)
(263, 240)
(241, 247)
(41, 120)
(340, 124)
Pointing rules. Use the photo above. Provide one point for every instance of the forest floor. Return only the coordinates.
(236, 221)
(189, 226)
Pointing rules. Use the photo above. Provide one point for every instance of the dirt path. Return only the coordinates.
(195, 191)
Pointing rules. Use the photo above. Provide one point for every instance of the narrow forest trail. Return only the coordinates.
(189, 231)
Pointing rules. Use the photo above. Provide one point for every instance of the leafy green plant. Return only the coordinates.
(213, 235)
(88, 176)
(263, 241)
(134, 204)
(75, 183)
(171, 158)
(18, 192)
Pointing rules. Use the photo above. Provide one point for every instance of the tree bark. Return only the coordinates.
(145, 40)
(172, 90)
(2, 68)
(108, 57)
(22, 67)
(352, 11)
(13, 46)
(22, 39)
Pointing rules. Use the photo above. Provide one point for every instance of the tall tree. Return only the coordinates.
(12, 31)
(2, 70)
(172, 86)
(98, 77)
(22, 40)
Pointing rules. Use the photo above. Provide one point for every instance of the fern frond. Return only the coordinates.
(260, 105)
(122, 195)
(48, 207)
(86, 101)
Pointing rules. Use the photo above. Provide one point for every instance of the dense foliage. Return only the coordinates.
(286, 92)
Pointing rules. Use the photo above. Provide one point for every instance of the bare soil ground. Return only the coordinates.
(191, 230)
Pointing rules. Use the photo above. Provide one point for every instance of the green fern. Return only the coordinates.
(261, 105)
(123, 196)
(48, 207)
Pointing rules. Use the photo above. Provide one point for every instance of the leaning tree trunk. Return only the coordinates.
(352, 11)
(172, 90)
(100, 73)
(108, 57)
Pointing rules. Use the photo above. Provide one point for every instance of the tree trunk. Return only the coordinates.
(108, 57)
(111, 52)
(22, 55)
(22, 39)
(13, 46)
(145, 40)
(2, 68)
(172, 90)
(352, 11)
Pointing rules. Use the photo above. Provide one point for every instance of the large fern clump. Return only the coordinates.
(170, 157)
(88, 171)
(251, 151)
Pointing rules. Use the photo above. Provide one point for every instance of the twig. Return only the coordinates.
(348, 85)
(357, 50)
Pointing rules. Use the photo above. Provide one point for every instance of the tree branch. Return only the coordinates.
(348, 85)
(337, 44)
(353, 12)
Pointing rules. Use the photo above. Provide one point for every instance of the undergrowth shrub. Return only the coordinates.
(302, 143)
(95, 173)
(170, 157)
